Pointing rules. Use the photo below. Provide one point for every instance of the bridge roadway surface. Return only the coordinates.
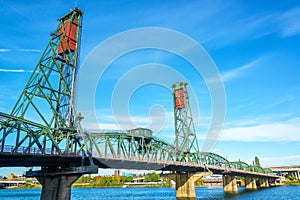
(35, 158)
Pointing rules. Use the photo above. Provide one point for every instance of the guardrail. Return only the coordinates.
(33, 151)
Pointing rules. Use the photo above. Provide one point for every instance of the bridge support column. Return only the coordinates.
(297, 175)
(263, 182)
(275, 182)
(57, 182)
(185, 186)
(278, 181)
(250, 183)
(229, 184)
(57, 187)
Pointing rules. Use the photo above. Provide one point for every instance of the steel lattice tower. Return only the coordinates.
(185, 134)
(51, 87)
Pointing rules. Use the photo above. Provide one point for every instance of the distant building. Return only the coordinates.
(116, 172)
(21, 175)
(213, 180)
(139, 180)
(128, 175)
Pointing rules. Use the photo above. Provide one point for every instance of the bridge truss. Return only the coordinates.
(128, 146)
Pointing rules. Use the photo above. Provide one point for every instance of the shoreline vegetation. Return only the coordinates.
(291, 180)
(116, 181)
(149, 180)
(31, 186)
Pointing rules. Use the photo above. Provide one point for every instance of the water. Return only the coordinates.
(159, 193)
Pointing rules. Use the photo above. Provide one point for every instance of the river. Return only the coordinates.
(157, 193)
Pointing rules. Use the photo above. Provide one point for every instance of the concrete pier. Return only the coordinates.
(229, 184)
(57, 182)
(185, 186)
(263, 182)
(250, 183)
(57, 187)
(275, 182)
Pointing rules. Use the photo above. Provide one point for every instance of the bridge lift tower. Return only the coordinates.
(51, 87)
(185, 140)
(185, 134)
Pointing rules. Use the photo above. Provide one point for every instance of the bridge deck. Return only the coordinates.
(118, 162)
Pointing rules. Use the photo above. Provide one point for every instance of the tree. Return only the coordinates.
(256, 161)
(154, 177)
(147, 179)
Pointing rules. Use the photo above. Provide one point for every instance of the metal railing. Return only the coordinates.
(34, 151)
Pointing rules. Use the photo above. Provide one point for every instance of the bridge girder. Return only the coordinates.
(239, 165)
(210, 158)
(124, 145)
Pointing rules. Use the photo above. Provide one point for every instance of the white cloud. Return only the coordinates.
(280, 161)
(14, 70)
(290, 22)
(29, 50)
(234, 27)
(234, 73)
(4, 50)
(288, 130)
(20, 50)
(237, 72)
(282, 100)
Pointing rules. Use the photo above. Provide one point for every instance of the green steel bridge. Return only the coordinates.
(55, 141)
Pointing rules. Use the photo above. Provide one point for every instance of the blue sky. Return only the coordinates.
(254, 44)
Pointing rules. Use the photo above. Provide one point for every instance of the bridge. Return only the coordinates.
(293, 170)
(43, 129)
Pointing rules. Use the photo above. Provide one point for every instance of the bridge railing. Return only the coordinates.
(121, 157)
(33, 151)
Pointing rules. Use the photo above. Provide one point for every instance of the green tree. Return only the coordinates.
(118, 180)
(147, 179)
(154, 177)
(256, 161)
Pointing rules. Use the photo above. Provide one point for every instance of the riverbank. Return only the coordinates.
(37, 186)
(123, 182)
(126, 185)
(158, 193)
(292, 182)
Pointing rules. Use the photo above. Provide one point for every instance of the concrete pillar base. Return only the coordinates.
(250, 183)
(264, 183)
(57, 182)
(57, 187)
(185, 186)
(229, 184)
